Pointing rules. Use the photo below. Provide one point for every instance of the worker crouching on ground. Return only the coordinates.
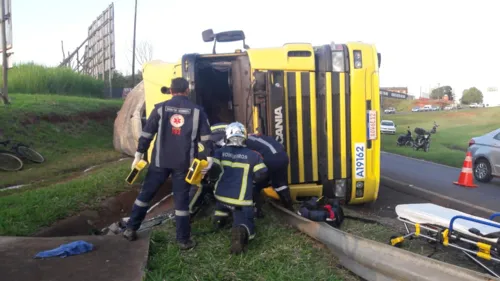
(236, 168)
(276, 160)
(203, 193)
(179, 125)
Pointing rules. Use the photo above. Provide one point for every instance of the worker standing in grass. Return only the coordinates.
(179, 125)
(199, 194)
(236, 168)
(276, 160)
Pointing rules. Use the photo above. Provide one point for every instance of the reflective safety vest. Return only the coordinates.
(179, 124)
(240, 167)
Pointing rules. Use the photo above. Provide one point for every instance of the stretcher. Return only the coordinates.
(476, 237)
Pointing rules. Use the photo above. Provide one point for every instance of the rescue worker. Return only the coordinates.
(198, 194)
(236, 168)
(276, 160)
(179, 125)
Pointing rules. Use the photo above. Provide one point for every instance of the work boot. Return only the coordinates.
(239, 240)
(286, 199)
(258, 203)
(189, 244)
(130, 234)
(258, 213)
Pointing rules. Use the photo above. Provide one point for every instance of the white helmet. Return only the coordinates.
(236, 134)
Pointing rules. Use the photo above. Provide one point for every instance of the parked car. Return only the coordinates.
(474, 105)
(387, 127)
(390, 110)
(415, 109)
(485, 152)
(449, 107)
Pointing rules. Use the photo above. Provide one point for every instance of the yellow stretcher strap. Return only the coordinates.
(484, 251)
(417, 229)
(445, 237)
(397, 240)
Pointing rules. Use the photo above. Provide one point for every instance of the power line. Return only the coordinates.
(133, 46)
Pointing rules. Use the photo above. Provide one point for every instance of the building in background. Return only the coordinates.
(401, 90)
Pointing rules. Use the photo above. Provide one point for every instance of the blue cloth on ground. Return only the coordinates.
(70, 249)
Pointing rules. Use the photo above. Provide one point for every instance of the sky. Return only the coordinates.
(423, 43)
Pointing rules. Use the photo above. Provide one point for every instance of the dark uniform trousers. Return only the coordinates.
(155, 178)
(278, 168)
(242, 215)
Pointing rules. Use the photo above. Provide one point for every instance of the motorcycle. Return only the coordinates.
(434, 128)
(423, 140)
(405, 140)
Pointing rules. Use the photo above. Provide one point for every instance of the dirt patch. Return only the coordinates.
(110, 210)
(455, 147)
(54, 118)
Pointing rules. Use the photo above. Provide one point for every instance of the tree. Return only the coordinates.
(471, 95)
(438, 93)
(143, 54)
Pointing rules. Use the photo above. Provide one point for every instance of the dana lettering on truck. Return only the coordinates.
(359, 160)
(278, 124)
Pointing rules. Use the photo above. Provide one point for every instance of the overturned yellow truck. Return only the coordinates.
(321, 102)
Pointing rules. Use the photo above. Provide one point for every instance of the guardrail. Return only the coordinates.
(376, 261)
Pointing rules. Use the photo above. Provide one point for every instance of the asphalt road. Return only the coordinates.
(439, 179)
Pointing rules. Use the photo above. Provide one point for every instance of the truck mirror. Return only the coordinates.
(208, 35)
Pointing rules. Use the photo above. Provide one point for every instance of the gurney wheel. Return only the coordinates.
(397, 245)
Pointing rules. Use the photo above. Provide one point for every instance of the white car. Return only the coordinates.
(387, 127)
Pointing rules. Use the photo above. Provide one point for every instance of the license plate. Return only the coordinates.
(359, 160)
(371, 126)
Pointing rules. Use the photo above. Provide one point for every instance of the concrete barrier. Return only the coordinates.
(376, 261)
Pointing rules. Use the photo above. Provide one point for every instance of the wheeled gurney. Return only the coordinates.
(476, 237)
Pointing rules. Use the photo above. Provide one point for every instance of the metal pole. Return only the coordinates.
(133, 48)
(5, 93)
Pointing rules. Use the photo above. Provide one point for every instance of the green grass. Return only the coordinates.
(68, 145)
(23, 213)
(455, 130)
(278, 252)
(31, 78)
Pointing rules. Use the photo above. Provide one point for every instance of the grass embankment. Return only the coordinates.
(30, 78)
(455, 130)
(25, 212)
(278, 252)
(72, 133)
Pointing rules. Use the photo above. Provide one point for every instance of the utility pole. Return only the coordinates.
(133, 46)
(5, 93)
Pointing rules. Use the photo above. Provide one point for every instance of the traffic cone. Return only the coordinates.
(466, 178)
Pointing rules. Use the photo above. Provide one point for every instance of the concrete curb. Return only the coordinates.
(376, 261)
(436, 198)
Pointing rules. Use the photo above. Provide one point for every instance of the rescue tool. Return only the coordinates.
(134, 174)
(194, 175)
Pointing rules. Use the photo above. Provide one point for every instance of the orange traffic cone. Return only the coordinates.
(466, 178)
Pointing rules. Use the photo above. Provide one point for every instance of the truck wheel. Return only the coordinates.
(482, 170)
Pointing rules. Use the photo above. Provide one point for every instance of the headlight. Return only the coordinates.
(340, 188)
(338, 61)
(360, 189)
(358, 59)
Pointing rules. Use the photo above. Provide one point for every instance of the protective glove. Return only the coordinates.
(205, 170)
(138, 157)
